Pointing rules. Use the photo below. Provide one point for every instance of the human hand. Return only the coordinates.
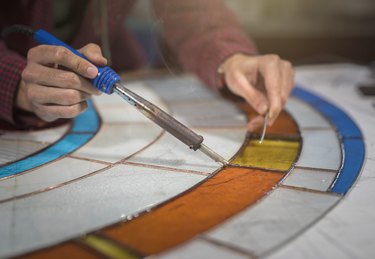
(265, 82)
(54, 83)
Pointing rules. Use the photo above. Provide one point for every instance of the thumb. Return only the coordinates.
(94, 54)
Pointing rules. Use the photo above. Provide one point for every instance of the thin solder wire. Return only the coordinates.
(264, 128)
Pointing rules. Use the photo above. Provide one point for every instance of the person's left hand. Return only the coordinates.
(264, 81)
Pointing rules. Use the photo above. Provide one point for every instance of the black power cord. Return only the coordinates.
(17, 28)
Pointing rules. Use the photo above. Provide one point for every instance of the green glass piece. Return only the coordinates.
(107, 247)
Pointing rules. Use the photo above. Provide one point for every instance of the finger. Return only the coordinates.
(255, 123)
(53, 112)
(240, 85)
(47, 55)
(270, 70)
(94, 53)
(56, 96)
(48, 76)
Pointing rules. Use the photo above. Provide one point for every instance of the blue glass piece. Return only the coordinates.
(351, 137)
(354, 153)
(342, 122)
(68, 144)
(305, 95)
(87, 122)
(84, 128)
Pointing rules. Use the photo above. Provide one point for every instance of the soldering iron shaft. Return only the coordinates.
(167, 122)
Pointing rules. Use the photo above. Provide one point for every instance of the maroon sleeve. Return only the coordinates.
(202, 33)
(11, 67)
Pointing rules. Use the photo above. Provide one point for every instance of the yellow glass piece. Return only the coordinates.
(107, 248)
(271, 154)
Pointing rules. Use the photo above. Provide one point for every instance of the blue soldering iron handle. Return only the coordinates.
(106, 78)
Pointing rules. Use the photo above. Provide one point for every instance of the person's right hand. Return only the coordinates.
(55, 81)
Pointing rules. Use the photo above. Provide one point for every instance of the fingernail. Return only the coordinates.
(270, 121)
(92, 72)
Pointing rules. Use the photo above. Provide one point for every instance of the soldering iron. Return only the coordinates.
(108, 81)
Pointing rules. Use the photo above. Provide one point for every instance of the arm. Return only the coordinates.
(202, 33)
(11, 67)
(208, 41)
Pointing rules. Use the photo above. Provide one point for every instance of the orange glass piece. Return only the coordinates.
(271, 154)
(194, 212)
(283, 126)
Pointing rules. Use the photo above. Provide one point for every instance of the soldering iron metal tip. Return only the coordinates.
(213, 155)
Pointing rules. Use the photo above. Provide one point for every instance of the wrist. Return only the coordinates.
(230, 59)
(22, 101)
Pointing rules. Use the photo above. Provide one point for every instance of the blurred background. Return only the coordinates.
(302, 31)
(311, 31)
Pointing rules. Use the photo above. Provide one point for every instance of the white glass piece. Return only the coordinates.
(47, 176)
(275, 220)
(310, 179)
(209, 114)
(173, 153)
(185, 88)
(92, 203)
(346, 231)
(113, 109)
(199, 248)
(43, 136)
(116, 142)
(12, 150)
(320, 149)
(305, 115)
